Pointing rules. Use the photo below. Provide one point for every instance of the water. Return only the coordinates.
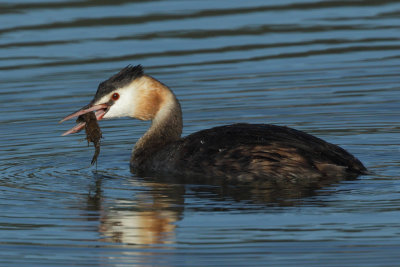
(330, 68)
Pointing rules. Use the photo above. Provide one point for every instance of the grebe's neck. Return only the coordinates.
(166, 126)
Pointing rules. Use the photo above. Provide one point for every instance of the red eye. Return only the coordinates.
(115, 96)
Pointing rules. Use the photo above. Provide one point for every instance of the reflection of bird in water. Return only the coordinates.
(151, 213)
(150, 226)
(148, 218)
(242, 152)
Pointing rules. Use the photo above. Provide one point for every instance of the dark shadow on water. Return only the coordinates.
(95, 194)
(262, 193)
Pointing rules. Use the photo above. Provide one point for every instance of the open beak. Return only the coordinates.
(100, 110)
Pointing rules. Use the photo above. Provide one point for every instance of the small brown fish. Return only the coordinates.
(93, 132)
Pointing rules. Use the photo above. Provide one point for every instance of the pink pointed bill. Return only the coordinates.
(100, 111)
(75, 129)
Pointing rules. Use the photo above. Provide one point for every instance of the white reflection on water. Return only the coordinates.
(147, 218)
(151, 223)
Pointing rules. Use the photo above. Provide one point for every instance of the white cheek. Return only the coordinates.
(123, 107)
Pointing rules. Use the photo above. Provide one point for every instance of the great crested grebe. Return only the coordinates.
(242, 152)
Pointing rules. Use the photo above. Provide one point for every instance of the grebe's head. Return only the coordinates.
(129, 93)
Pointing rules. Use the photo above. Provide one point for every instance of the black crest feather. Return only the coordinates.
(121, 79)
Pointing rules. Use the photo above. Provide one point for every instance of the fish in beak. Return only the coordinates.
(100, 110)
